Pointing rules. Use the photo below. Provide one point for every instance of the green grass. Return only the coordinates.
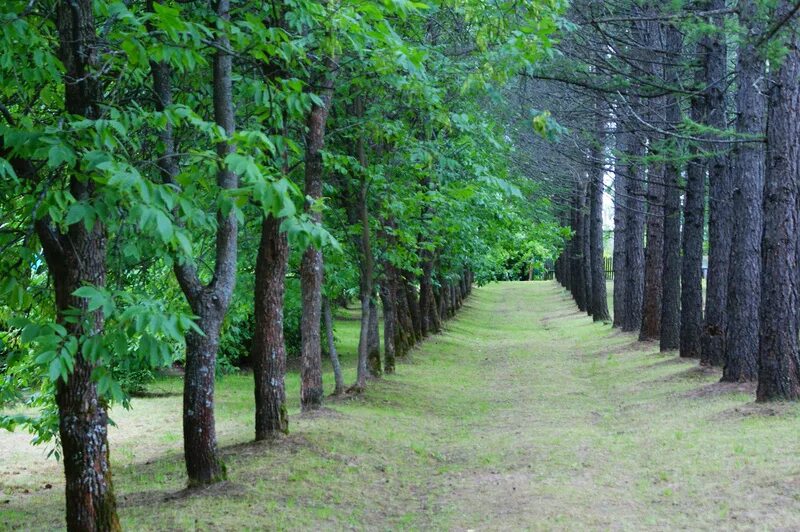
(523, 414)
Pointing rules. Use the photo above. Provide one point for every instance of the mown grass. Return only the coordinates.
(523, 414)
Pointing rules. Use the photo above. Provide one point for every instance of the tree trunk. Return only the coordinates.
(634, 239)
(210, 303)
(744, 274)
(779, 364)
(426, 293)
(651, 36)
(75, 258)
(620, 233)
(413, 305)
(366, 274)
(565, 257)
(653, 260)
(670, 298)
(374, 341)
(311, 391)
(269, 348)
(311, 268)
(203, 464)
(692, 262)
(404, 327)
(577, 250)
(83, 420)
(337, 368)
(586, 240)
(389, 320)
(434, 316)
(444, 297)
(599, 307)
(363, 344)
(719, 205)
(693, 233)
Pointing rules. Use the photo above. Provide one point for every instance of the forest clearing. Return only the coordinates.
(522, 414)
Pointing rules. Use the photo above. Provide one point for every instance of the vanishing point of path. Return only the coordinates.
(523, 415)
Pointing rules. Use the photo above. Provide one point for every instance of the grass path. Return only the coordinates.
(523, 415)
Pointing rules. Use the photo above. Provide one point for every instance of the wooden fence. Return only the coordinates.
(608, 266)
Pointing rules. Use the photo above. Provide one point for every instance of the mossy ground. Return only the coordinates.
(522, 414)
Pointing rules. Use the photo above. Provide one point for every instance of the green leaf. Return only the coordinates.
(60, 153)
(164, 227)
(55, 370)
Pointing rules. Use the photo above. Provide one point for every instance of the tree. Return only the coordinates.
(744, 271)
(653, 259)
(620, 234)
(691, 305)
(778, 361)
(671, 283)
(599, 301)
(269, 348)
(311, 269)
(634, 238)
(654, 275)
(76, 257)
(719, 191)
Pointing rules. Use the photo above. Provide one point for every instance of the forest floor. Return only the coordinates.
(523, 414)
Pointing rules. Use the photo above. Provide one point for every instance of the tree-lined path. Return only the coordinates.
(522, 414)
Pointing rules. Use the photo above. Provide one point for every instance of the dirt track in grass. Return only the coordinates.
(523, 414)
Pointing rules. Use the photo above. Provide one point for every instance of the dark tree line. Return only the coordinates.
(694, 124)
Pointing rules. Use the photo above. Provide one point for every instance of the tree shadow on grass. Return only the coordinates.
(756, 410)
(150, 498)
(230, 454)
(694, 373)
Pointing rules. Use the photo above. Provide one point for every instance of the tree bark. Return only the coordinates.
(651, 36)
(435, 319)
(444, 297)
(779, 364)
(691, 283)
(269, 348)
(586, 241)
(577, 249)
(744, 275)
(210, 303)
(404, 329)
(634, 238)
(389, 319)
(670, 298)
(654, 252)
(412, 301)
(719, 217)
(620, 232)
(374, 341)
(692, 263)
(599, 307)
(337, 367)
(363, 343)
(426, 294)
(311, 268)
(366, 281)
(75, 258)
